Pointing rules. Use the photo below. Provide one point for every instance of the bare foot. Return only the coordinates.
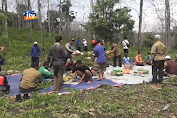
(99, 79)
(89, 82)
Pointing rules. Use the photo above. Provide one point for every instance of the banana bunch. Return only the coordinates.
(67, 78)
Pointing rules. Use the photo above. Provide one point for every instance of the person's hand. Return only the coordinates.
(80, 81)
(151, 62)
(38, 56)
(30, 56)
(73, 80)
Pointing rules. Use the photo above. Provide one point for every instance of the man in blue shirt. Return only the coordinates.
(101, 60)
(35, 53)
(78, 43)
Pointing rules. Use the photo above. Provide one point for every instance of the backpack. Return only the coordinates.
(128, 45)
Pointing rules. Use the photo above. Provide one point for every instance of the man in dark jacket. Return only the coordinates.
(170, 66)
(35, 53)
(59, 56)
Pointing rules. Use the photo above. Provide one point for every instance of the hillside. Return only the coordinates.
(18, 55)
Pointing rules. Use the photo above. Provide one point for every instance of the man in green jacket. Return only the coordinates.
(44, 71)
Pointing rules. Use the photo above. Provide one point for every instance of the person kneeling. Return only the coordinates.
(4, 87)
(45, 73)
(138, 60)
(29, 80)
(83, 71)
(69, 66)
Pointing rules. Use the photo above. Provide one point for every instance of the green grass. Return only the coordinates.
(107, 101)
(126, 101)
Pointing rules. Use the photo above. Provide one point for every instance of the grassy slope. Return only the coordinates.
(127, 101)
(17, 57)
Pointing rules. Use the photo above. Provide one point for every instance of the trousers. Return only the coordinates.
(115, 61)
(58, 77)
(157, 66)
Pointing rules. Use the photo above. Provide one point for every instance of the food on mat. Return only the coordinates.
(119, 74)
(145, 71)
(137, 72)
(67, 76)
(113, 73)
(117, 70)
(142, 75)
(125, 71)
(140, 69)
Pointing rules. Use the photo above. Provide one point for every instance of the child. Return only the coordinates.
(148, 59)
(127, 60)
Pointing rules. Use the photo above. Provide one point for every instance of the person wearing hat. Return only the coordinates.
(70, 48)
(170, 66)
(35, 53)
(157, 59)
(83, 71)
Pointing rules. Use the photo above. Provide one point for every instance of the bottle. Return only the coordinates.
(166, 107)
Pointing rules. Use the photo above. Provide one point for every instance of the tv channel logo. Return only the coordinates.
(30, 16)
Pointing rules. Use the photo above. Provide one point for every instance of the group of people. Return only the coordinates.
(78, 44)
(61, 60)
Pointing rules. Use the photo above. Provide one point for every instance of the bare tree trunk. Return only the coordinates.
(40, 23)
(30, 24)
(59, 27)
(49, 20)
(6, 25)
(140, 25)
(68, 28)
(167, 14)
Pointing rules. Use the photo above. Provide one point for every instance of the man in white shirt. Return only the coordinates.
(85, 44)
(125, 44)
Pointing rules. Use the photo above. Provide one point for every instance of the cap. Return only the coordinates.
(72, 39)
(35, 42)
(168, 57)
(93, 41)
(158, 37)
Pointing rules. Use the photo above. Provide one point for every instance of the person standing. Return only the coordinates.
(59, 56)
(35, 53)
(126, 45)
(70, 48)
(157, 59)
(117, 54)
(101, 60)
(78, 43)
(85, 45)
